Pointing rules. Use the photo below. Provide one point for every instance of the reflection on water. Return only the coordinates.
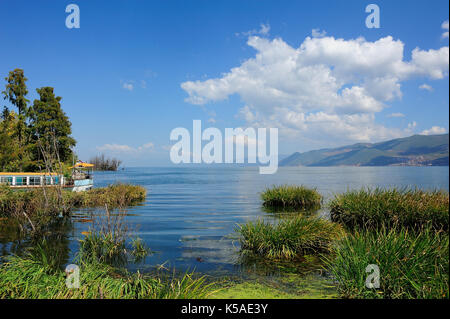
(189, 215)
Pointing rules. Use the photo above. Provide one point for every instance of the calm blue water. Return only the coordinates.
(190, 213)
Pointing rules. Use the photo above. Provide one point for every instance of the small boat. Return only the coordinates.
(81, 180)
(82, 176)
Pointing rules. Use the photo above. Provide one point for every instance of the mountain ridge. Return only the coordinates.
(416, 150)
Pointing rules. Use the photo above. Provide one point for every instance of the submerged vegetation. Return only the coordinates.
(391, 207)
(287, 196)
(290, 238)
(412, 264)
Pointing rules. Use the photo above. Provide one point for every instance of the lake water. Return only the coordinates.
(190, 213)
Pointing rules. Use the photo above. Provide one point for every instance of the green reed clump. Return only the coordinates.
(299, 197)
(116, 195)
(140, 250)
(374, 208)
(413, 264)
(290, 238)
(25, 278)
(42, 205)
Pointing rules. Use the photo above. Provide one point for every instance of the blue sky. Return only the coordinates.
(135, 70)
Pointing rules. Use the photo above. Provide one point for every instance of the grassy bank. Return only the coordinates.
(412, 264)
(286, 196)
(30, 279)
(53, 201)
(391, 207)
(291, 238)
(102, 258)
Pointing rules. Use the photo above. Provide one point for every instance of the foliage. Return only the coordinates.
(26, 278)
(290, 238)
(374, 208)
(36, 137)
(412, 264)
(105, 164)
(291, 196)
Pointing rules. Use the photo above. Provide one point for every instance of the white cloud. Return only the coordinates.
(147, 146)
(117, 148)
(128, 86)
(264, 30)
(316, 33)
(434, 130)
(445, 27)
(426, 87)
(396, 115)
(324, 88)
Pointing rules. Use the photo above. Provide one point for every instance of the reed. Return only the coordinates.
(290, 238)
(412, 264)
(286, 196)
(37, 204)
(390, 207)
(25, 278)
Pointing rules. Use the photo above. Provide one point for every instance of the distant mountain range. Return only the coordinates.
(416, 150)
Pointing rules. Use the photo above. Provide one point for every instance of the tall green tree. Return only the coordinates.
(10, 151)
(15, 92)
(51, 127)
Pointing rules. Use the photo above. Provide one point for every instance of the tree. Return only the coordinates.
(51, 128)
(10, 151)
(15, 92)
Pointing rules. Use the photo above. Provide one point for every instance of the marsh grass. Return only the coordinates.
(413, 264)
(286, 196)
(290, 238)
(107, 241)
(35, 210)
(102, 257)
(391, 207)
(28, 279)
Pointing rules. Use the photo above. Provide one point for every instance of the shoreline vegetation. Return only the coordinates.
(403, 232)
(410, 246)
(102, 258)
(34, 210)
(102, 163)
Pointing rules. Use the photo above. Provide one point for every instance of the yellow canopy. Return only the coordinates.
(82, 165)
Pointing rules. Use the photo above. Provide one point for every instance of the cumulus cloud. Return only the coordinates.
(445, 27)
(434, 130)
(426, 87)
(325, 87)
(118, 148)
